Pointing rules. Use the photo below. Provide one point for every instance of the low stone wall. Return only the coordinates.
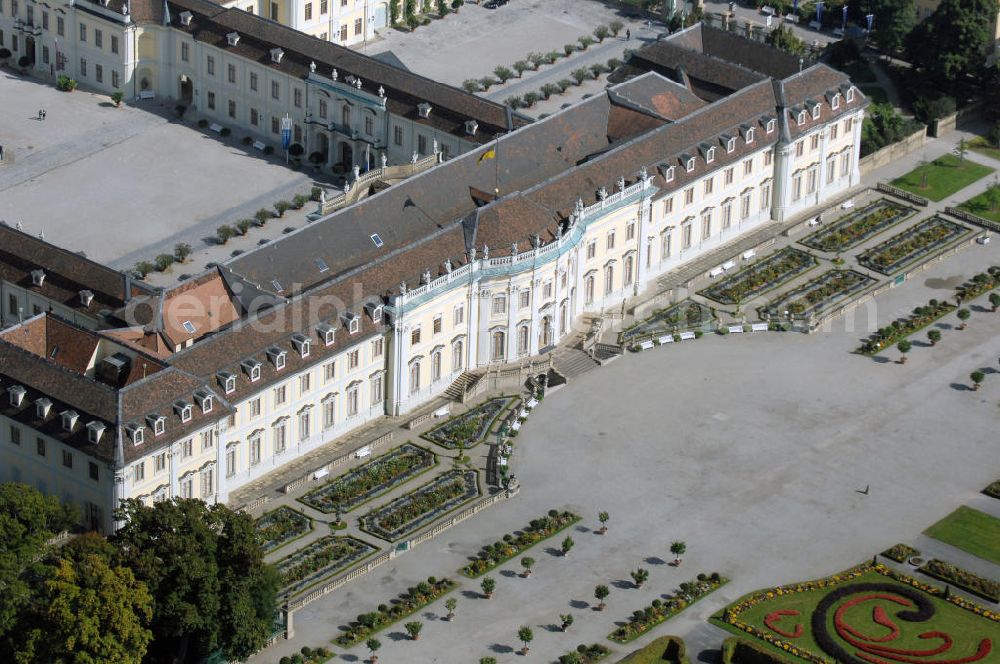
(339, 461)
(965, 215)
(891, 153)
(902, 193)
(254, 505)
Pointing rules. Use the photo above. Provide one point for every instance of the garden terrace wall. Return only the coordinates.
(907, 196)
(965, 215)
(427, 503)
(891, 153)
(339, 461)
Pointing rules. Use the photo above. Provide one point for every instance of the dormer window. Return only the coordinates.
(157, 423)
(327, 333)
(710, 155)
(38, 277)
(184, 410)
(276, 55)
(86, 297)
(669, 175)
(835, 102)
(252, 369)
(850, 95)
(69, 418)
(42, 408)
(95, 430)
(424, 109)
(471, 127)
(227, 382)
(136, 433)
(802, 117)
(770, 126)
(186, 18)
(205, 400)
(353, 322)
(233, 38)
(301, 343)
(278, 357)
(16, 394)
(374, 310)
(730, 145)
(815, 112)
(689, 164)
(749, 135)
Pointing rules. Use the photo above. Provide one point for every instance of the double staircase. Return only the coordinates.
(457, 390)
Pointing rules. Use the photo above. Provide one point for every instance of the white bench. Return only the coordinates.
(516, 426)
(502, 461)
(814, 221)
(792, 18)
(666, 339)
(816, 25)
(216, 127)
(523, 413)
(259, 145)
(363, 452)
(715, 271)
(646, 345)
(147, 94)
(847, 205)
(728, 265)
(758, 327)
(687, 335)
(750, 253)
(443, 411)
(532, 403)
(321, 473)
(735, 329)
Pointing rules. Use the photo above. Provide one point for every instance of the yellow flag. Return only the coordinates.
(489, 154)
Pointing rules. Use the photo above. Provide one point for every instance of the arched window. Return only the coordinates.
(499, 346)
(345, 116)
(588, 289)
(457, 355)
(414, 377)
(436, 366)
(627, 273)
(609, 279)
(522, 340)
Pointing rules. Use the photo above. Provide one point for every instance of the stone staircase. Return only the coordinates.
(456, 391)
(573, 362)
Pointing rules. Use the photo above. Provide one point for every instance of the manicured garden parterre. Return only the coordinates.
(513, 544)
(854, 228)
(319, 561)
(867, 615)
(780, 267)
(645, 619)
(470, 428)
(912, 245)
(418, 508)
(964, 579)
(281, 526)
(664, 650)
(405, 605)
(944, 176)
(683, 316)
(901, 328)
(820, 293)
(900, 553)
(373, 479)
(970, 530)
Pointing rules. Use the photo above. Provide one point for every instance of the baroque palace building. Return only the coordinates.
(114, 390)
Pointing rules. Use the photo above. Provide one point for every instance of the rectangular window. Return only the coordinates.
(831, 168)
(397, 135)
(275, 125)
(727, 215)
(210, 65)
(275, 90)
(630, 232)
(329, 412)
(814, 142)
(591, 249)
(255, 408)
(15, 435)
(40, 446)
(231, 73)
(728, 177)
(524, 299)
(208, 440)
(611, 240)
(116, 79)
(253, 81)
(185, 52)
(745, 205)
(83, 32)
(60, 26)
(797, 187)
(231, 460)
(378, 345)
(160, 462)
(304, 426)
(304, 384)
(280, 396)
(297, 97)
(436, 325)
(706, 224)
(415, 336)
(686, 236)
(45, 50)
(114, 43)
(811, 180)
(274, 11)
(376, 389)
(421, 144)
(499, 305)
(848, 124)
(232, 108)
(139, 472)
(207, 482)
(800, 148)
(98, 38)
(547, 288)
(689, 196)
(358, 26)
(748, 166)
(768, 158)
(324, 7)
(329, 371)
(211, 101)
(45, 23)
(99, 73)
(765, 196)
(94, 471)
(709, 184)
(83, 66)
(343, 31)
(459, 315)
(369, 125)
(668, 206)
(280, 438)
(845, 163)
(352, 401)
(834, 130)
(187, 449)
(322, 109)
(354, 357)
(255, 449)
(309, 11)
(254, 117)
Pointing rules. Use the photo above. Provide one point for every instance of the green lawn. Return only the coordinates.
(981, 206)
(945, 175)
(796, 607)
(982, 146)
(875, 93)
(970, 530)
(652, 653)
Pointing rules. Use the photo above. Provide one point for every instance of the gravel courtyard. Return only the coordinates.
(750, 449)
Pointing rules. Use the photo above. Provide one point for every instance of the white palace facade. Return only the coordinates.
(486, 259)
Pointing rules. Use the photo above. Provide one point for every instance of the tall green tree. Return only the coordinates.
(28, 520)
(783, 38)
(88, 612)
(953, 42)
(203, 567)
(894, 19)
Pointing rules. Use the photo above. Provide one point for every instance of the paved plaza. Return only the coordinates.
(748, 448)
(124, 184)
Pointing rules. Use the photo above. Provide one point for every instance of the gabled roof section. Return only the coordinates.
(657, 96)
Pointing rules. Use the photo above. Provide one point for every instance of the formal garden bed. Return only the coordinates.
(900, 553)
(942, 177)
(282, 526)
(903, 327)
(765, 275)
(819, 294)
(319, 561)
(973, 583)
(375, 478)
(858, 226)
(663, 650)
(993, 490)
(470, 428)
(420, 507)
(981, 283)
(971, 531)
(682, 316)
(912, 245)
(413, 600)
(869, 614)
(585, 654)
(643, 620)
(514, 544)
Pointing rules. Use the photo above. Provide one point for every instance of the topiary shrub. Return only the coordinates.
(163, 261)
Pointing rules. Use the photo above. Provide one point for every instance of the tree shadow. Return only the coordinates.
(578, 604)
(501, 649)
(622, 584)
(554, 552)
(979, 309)
(509, 573)
(471, 594)
(960, 387)
(877, 359)
(710, 656)
(551, 627)
(430, 615)
(349, 658)
(398, 636)
(920, 344)
(654, 560)
(583, 529)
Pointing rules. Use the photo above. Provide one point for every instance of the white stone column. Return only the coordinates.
(221, 487)
(821, 184)
(859, 118)
(173, 453)
(396, 362)
(783, 156)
